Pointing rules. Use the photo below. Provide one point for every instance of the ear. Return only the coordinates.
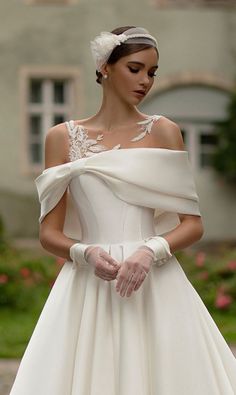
(105, 69)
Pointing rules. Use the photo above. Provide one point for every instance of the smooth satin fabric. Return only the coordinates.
(152, 177)
(91, 341)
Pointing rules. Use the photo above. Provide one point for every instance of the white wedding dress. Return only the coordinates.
(91, 341)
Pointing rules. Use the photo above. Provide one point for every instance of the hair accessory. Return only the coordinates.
(103, 44)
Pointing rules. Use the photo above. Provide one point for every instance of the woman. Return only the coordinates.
(122, 318)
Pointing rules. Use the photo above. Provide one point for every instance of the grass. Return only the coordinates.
(227, 326)
(15, 331)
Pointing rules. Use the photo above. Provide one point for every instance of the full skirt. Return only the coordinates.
(159, 341)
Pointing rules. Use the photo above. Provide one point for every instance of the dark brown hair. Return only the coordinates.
(122, 50)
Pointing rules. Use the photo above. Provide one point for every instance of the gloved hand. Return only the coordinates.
(134, 271)
(105, 266)
(155, 250)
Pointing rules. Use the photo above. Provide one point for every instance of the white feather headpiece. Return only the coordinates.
(103, 44)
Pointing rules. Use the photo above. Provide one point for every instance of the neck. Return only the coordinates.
(115, 113)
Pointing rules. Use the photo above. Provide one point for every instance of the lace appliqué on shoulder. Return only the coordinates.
(146, 127)
(82, 146)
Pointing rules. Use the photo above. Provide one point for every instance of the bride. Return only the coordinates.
(122, 317)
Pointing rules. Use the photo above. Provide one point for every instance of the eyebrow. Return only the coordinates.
(142, 64)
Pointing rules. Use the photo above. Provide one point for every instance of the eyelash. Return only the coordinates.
(137, 70)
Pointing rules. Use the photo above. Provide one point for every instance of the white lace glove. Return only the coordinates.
(105, 266)
(134, 270)
(160, 248)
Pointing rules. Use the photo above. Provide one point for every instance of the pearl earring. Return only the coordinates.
(105, 76)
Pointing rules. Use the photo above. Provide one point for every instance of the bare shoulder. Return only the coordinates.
(56, 145)
(167, 134)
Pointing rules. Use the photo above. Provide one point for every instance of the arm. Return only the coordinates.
(158, 249)
(51, 234)
(190, 229)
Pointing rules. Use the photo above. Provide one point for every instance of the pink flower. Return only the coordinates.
(3, 278)
(231, 265)
(25, 272)
(200, 259)
(203, 275)
(223, 300)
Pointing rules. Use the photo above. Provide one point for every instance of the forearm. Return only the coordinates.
(56, 243)
(184, 235)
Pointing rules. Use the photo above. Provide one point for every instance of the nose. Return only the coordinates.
(144, 80)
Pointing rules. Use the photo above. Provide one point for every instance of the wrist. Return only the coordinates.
(160, 248)
(77, 252)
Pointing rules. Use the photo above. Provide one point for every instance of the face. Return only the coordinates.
(132, 73)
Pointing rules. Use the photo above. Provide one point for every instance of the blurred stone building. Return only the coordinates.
(47, 76)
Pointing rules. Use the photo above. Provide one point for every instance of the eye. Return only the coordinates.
(137, 70)
(152, 75)
(133, 70)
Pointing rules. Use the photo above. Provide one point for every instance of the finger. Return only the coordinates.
(120, 278)
(112, 262)
(126, 281)
(140, 281)
(100, 275)
(108, 269)
(132, 283)
(105, 276)
(106, 273)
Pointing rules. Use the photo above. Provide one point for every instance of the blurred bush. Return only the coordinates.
(224, 158)
(214, 278)
(25, 278)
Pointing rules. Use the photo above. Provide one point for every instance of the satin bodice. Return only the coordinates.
(104, 218)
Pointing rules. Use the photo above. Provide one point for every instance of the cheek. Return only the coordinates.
(123, 81)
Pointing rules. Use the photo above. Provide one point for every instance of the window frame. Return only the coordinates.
(193, 144)
(75, 102)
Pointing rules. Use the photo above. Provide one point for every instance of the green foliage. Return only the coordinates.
(224, 159)
(3, 241)
(24, 279)
(214, 278)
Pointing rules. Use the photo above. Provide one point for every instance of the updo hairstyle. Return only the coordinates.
(122, 50)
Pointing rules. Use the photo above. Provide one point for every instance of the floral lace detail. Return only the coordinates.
(82, 146)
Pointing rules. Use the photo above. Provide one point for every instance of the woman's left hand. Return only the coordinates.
(134, 270)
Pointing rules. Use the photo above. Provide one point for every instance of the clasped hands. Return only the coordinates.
(133, 271)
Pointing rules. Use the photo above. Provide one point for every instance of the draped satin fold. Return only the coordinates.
(158, 178)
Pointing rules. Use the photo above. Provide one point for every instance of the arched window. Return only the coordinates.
(195, 108)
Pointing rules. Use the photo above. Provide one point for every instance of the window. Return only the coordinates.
(208, 142)
(196, 108)
(201, 142)
(48, 100)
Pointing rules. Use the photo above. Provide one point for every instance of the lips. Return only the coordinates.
(140, 92)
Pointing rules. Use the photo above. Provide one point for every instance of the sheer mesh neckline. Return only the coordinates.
(81, 145)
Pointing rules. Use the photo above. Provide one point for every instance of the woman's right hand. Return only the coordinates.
(105, 266)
